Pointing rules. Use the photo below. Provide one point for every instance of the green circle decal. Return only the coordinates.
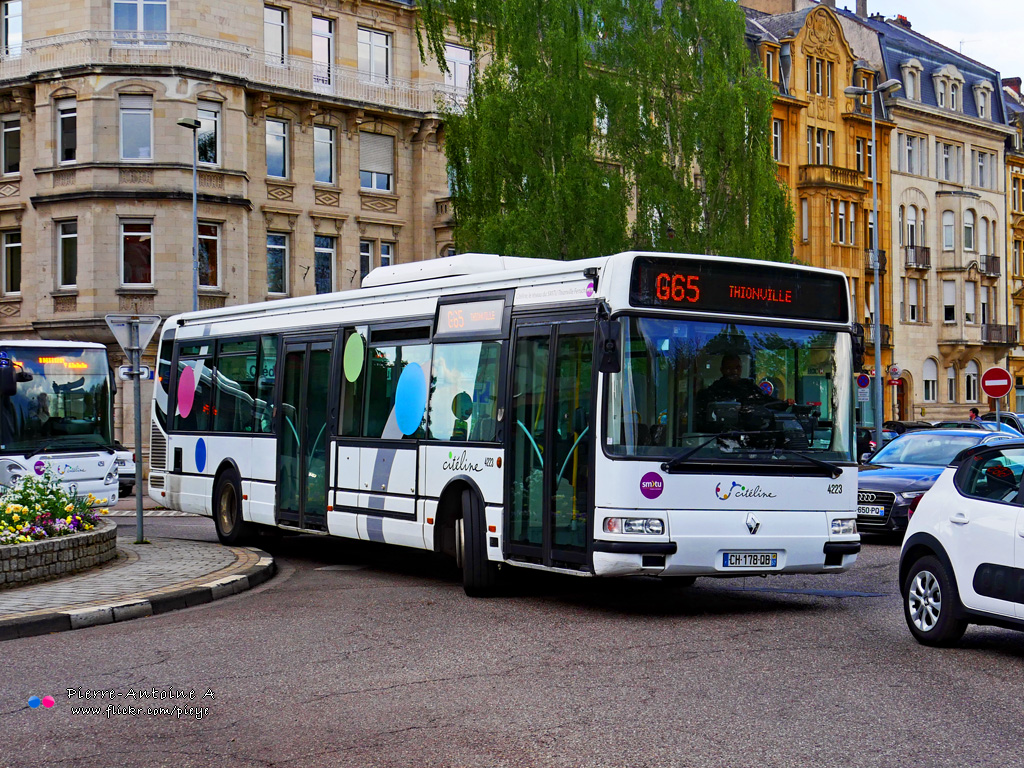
(353, 357)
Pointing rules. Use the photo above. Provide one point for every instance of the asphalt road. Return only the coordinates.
(361, 655)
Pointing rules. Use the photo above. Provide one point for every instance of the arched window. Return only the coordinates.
(931, 380)
(902, 223)
(922, 230)
(954, 96)
(971, 382)
(912, 225)
(948, 231)
(969, 230)
(983, 237)
(951, 384)
(942, 94)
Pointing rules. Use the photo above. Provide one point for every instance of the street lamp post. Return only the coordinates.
(876, 332)
(193, 125)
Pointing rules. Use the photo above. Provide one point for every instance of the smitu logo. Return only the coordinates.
(651, 485)
(725, 495)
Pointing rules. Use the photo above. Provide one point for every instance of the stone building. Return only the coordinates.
(822, 143)
(1015, 230)
(318, 154)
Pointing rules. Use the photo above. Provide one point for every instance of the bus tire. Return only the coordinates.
(479, 575)
(227, 510)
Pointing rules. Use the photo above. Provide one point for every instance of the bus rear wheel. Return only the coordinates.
(479, 575)
(227, 510)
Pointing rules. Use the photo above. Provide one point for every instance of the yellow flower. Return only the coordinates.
(69, 507)
(15, 518)
(104, 511)
(68, 519)
(103, 501)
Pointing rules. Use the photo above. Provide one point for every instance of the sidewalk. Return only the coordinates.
(144, 580)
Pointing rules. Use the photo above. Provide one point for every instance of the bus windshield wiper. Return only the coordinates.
(834, 469)
(47, 447)
(679, 460)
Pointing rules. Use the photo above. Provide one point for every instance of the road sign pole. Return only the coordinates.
(136, 362)
(999, 422)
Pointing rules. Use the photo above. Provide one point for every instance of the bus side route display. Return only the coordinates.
(726, 287)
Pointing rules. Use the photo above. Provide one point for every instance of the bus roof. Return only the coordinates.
(50, 344)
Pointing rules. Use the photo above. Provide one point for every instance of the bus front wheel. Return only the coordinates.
(479, 575)
(227, 510)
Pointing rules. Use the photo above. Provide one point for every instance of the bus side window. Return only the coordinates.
(194, 396)
(236, 387)
(353, 368)
(464, 397)
(267, 368)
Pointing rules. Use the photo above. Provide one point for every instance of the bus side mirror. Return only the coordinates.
(858, 347)
(609, 332)
(8, 385)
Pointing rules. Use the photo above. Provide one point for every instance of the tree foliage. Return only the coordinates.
(599, 125)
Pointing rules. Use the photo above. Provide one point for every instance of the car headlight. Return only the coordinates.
(844, 526)
(906, 498)
(648, 525)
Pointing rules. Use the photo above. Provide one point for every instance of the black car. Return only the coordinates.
(895, 478)
(866, 439)
(899, 427)
(1015, 420)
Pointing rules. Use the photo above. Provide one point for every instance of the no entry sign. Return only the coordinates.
(996, 382)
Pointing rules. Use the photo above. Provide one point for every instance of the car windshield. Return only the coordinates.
(929, 448)
(766, 389)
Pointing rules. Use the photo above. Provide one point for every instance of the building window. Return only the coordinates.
(324, 250)
(376, 161)
(140, 21)
(277, 263)
(136, 253)
(365, 258)
(67, 254)
(805, 223)
(860, 155)
(830, 144)
(374, 54)
(275, 34)
(969, 230)
(941, 93)
(387, 254)
(10, 148)
(984, 318)
(323, 52)
(323, 154)
(911, 85)
(954, 97)
(951, 384)
(769, 66)
(948, 301)
(828, 79)
(842, 222)
(208, 135)
(912, 226)
(277, 148)
(209, 255)
(970, 311)
(12, 263)
(136, 127)
(913, 310)
(948, 231)
(67, 130)
(459, 62)
(12, 36)
(777, 140)
(931, 381)
(870, 167)
(971, 382)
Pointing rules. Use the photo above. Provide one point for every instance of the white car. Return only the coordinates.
(125, 461)
(962, 560)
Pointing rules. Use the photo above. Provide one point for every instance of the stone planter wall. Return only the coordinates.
(22, 564)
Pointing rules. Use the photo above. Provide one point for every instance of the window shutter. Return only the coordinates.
(948, 293)
(376, 153)
(969, 298)
(136, 102)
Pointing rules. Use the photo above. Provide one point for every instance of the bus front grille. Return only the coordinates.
(157, 449)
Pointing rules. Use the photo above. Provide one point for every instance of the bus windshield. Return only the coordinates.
(729, 391)
(62, 400)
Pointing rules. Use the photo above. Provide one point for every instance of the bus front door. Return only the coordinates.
(550, 442)
(302, 435)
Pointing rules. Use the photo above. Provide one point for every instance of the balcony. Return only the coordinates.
(105, 48)
(885, 332)
(989, 265)
(999, 334)
(917, 257)
(830, 176)
(882, 262)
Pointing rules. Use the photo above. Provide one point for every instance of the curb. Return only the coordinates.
(124, 610)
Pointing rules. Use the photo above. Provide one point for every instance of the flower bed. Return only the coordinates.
(37, 508)
(63, 555)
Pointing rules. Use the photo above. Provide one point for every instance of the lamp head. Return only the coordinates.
(189, 122)
(889, 86)
(855, 90)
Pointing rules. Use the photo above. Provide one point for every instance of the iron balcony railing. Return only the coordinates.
(990, 265)
(917, 257)
(999, 334)
(176, 49)
(882, 261)
(884, 332)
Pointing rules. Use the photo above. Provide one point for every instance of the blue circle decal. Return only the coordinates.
(410, 398)
(200, 455)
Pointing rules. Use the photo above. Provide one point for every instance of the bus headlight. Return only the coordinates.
(844, 526)
(649, 525)
(111, 478)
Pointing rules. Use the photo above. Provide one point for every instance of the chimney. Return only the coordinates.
(862, 8)
(1013, 83)
(902, 21)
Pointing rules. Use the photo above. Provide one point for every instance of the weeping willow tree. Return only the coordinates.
(599, 125)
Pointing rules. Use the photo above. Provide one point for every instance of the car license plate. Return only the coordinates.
(750, 559)
(870, 510)
(119, 462)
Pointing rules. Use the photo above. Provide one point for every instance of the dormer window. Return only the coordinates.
(911, 85)
(911, 70)
(940, 93)
(954, 97)
(983, 99)
(949, 82)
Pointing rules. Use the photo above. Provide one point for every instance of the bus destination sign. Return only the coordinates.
(755, 289)
(470, 317)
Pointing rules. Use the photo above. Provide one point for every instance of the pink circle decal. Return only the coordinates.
(186, 390)
(48, 701)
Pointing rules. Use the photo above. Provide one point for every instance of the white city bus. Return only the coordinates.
(55, 412)
(565, 416)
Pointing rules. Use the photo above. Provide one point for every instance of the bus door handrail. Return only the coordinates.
(532, 441)
(571, 451)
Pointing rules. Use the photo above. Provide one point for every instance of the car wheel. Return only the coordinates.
(227, 510)
(930, 602)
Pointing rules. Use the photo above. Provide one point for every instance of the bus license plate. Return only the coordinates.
(750, 559)
(871, 510)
